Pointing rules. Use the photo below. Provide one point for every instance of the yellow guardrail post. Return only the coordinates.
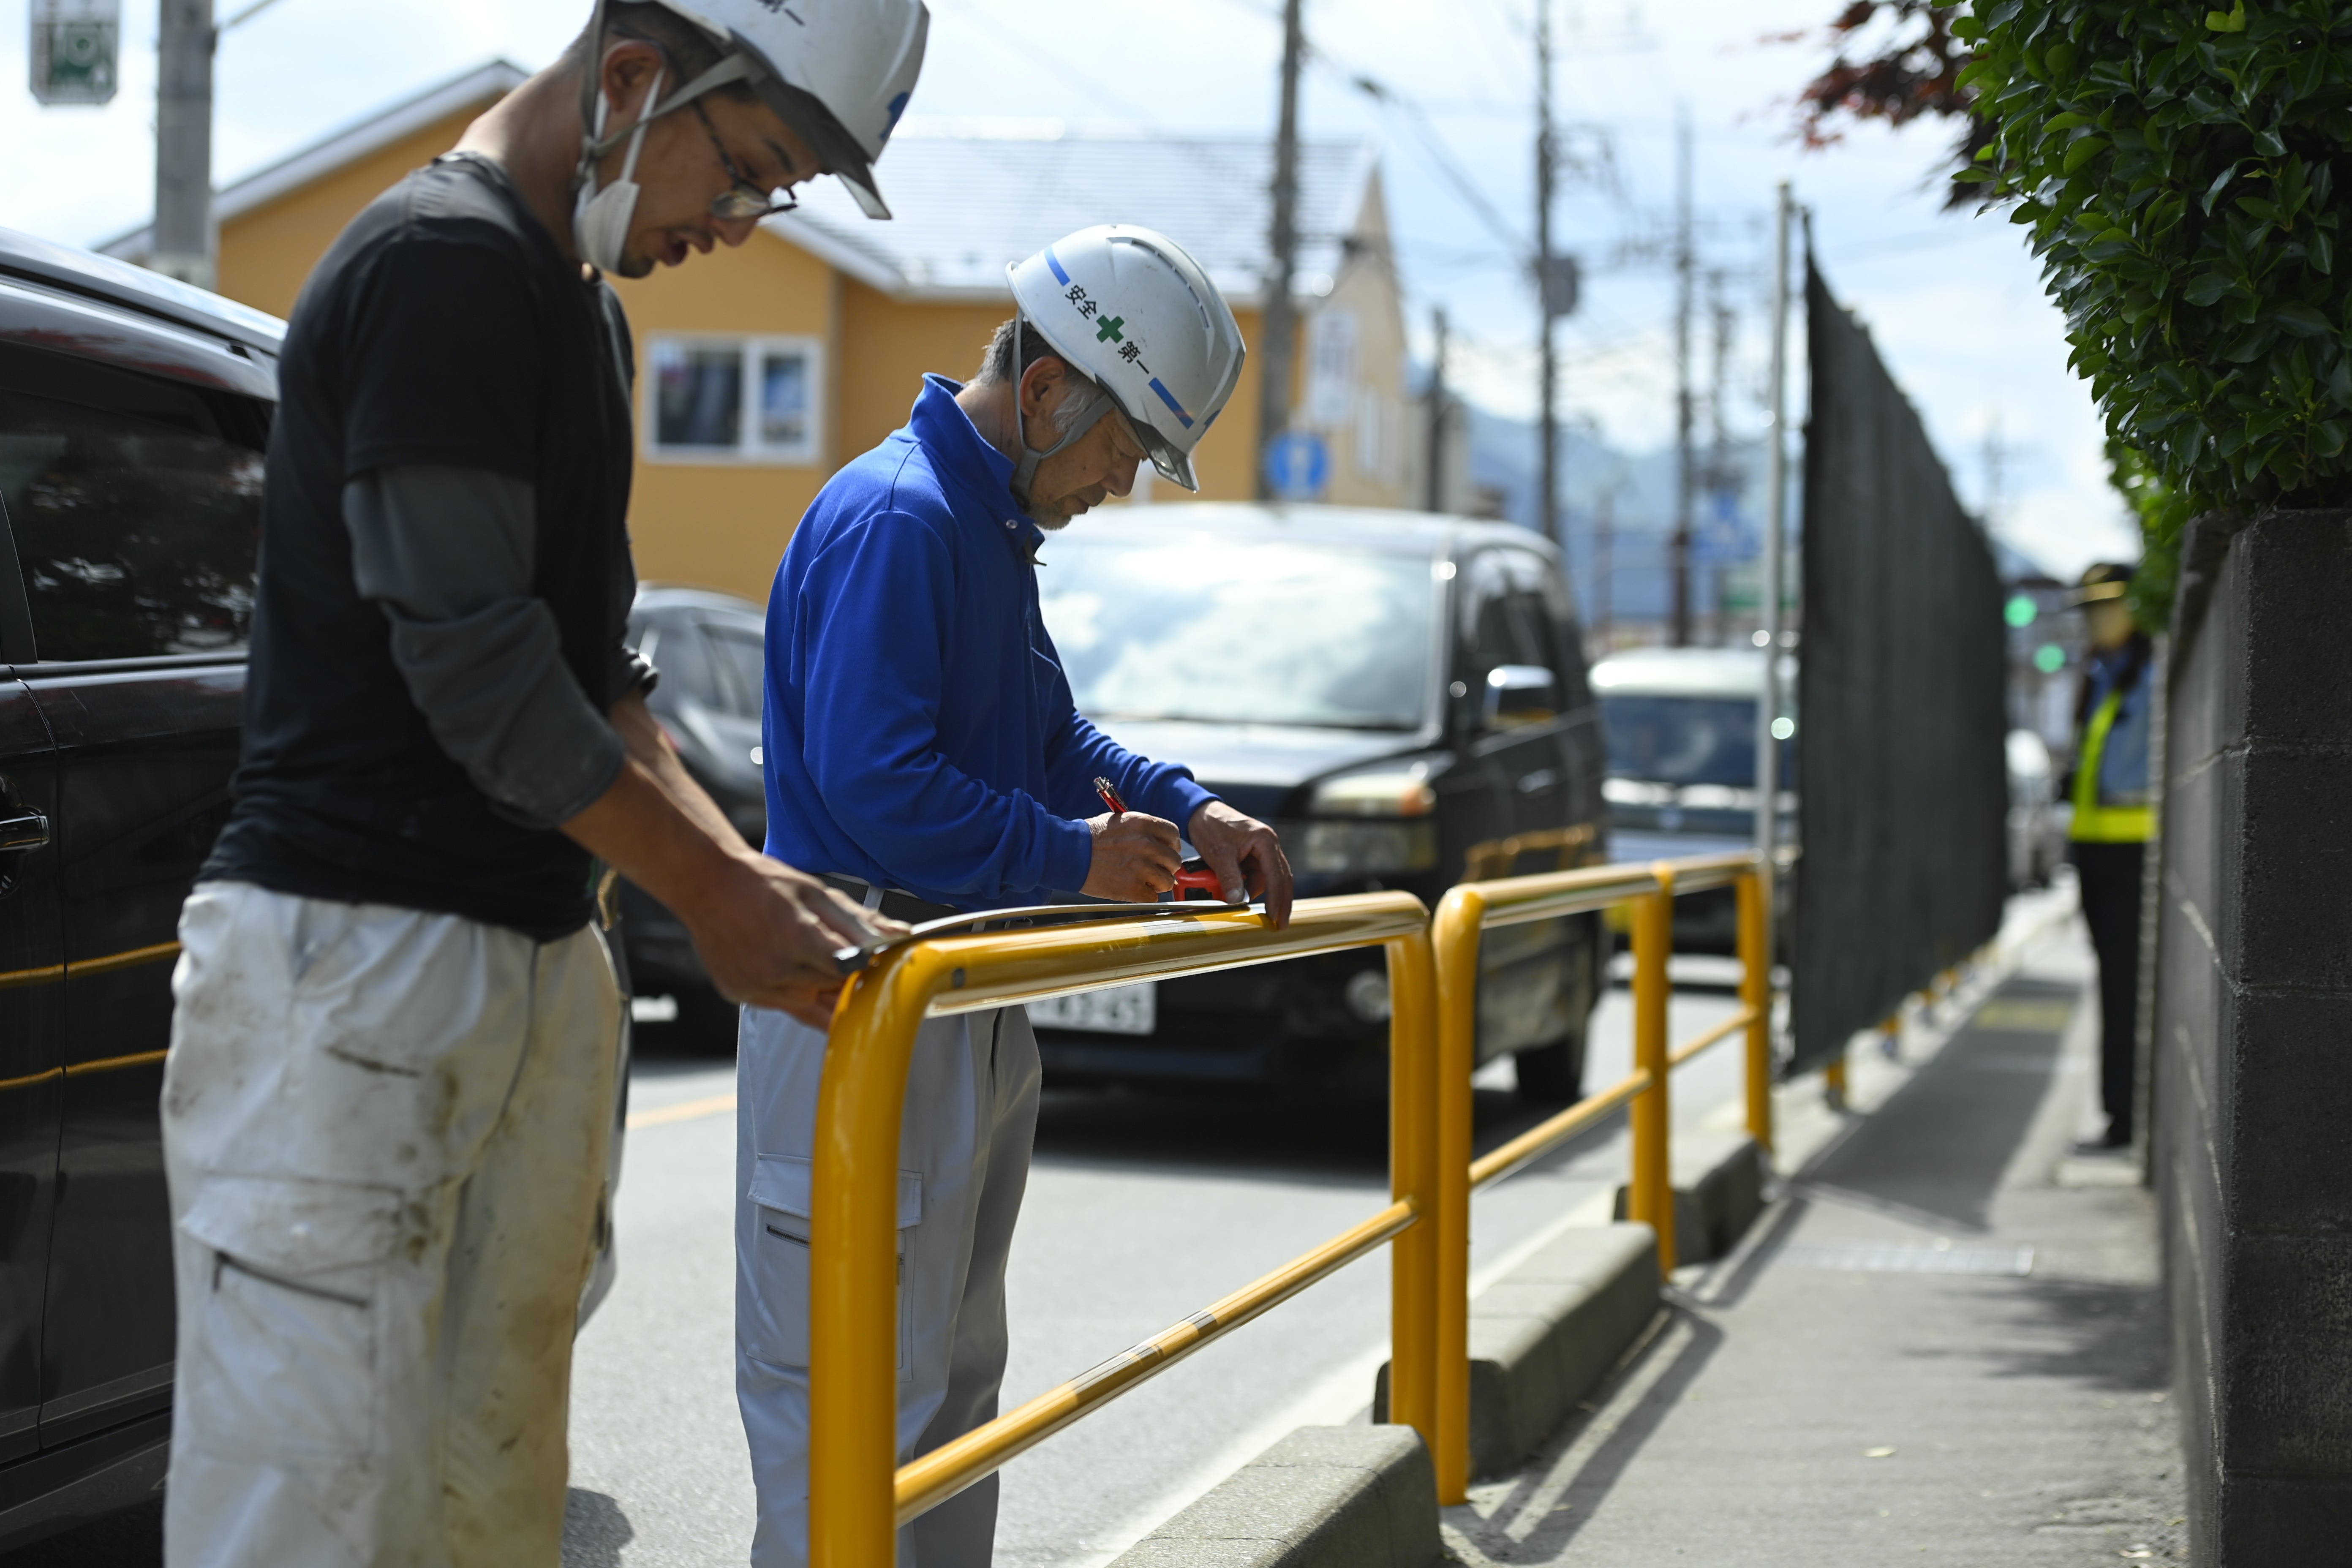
(1454, 938)
(1756, 994)
(1650, 1195)
(854, 1353)
(857, 1497)
(1424, 1276)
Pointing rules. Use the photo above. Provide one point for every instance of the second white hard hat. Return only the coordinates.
(839, 72)
(1127, 308)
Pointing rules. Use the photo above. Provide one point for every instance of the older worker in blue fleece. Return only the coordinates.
(923, 753)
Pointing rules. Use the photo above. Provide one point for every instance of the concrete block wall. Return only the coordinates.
(2251, 1052)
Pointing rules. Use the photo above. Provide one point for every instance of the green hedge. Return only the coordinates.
(2176, 167)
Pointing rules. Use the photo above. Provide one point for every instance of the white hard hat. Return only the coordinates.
(1129, 309)
(839, 72)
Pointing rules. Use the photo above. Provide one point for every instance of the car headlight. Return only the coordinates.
(1365, 849)
(1385, 824)
(1397, 791)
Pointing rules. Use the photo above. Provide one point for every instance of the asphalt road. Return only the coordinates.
(1141, 1209)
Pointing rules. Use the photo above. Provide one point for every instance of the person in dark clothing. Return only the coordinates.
(2109, 792)
(390, 1090)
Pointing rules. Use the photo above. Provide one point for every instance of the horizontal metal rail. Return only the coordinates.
(1541, 1139)
(946, 1470)
(858, 1499)
(1732, 1025)
(857, 1495)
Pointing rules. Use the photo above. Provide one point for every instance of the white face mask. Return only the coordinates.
(599, 219)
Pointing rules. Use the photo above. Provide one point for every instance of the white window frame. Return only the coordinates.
(754, 348)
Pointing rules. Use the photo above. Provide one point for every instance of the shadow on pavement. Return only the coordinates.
(1756, 1255)
(1687, 1343)
(1937, 1150)
(2101, 1334)
(595, 1531)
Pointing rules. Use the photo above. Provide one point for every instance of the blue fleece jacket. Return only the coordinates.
(918, 731)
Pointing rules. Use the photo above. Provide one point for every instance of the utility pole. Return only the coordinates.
(184, 240)
(1775, 516)
(1604, 565)
(1436, 485)
(1547, 419)
(1722, 484)
(1996, 468)
(1685, 263)
(1281, 326)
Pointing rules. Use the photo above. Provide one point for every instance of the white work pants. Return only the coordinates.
(386, 1133)
(963, 1161)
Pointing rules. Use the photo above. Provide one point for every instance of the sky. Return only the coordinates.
(1954, 302)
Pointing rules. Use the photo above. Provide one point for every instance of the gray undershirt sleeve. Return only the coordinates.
(448, 554)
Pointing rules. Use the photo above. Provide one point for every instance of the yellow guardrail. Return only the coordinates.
(1468, 911)
(857, 1493)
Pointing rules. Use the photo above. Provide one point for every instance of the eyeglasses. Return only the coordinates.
(742, 202)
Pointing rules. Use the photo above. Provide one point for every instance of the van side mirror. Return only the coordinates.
(1520, 694)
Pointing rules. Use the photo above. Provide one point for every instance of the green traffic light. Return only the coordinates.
(2021, 610)
(2050, 658)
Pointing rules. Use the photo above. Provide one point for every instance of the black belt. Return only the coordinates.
(899, 906)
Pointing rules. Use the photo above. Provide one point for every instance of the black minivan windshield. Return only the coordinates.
(1240, 631)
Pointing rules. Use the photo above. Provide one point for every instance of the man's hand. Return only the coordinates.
(1246, 855)
(766, 932)
(1135, 858)
(767, 935)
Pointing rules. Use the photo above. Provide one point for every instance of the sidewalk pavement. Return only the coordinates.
(1944, 1345)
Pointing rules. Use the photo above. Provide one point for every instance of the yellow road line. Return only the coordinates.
(685, 1111)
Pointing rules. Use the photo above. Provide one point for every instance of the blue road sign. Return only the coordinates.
(1297, 465)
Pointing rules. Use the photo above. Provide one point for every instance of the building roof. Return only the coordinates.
(974, 196)
(483, 85)
(971, 195)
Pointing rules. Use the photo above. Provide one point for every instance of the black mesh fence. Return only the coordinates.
(1900, 704)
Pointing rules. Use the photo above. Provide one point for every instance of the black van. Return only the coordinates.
(1403, 696)
(133, 414)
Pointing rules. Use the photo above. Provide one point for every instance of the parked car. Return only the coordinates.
(2037, 818)
(1681, 723)
(707, 647)
(1402, 695)
(133, 412)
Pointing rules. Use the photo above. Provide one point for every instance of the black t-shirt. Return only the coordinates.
(444, 328)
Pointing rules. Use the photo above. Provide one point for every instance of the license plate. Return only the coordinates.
(1121, 1010)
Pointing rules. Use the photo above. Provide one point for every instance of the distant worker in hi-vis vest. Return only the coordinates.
(2108, 790)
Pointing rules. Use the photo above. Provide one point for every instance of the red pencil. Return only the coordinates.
(1109, 796)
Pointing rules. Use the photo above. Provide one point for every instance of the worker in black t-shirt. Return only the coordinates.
(391, 1084)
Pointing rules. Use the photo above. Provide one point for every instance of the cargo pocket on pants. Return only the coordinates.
(280, 1360)
(779, 1264)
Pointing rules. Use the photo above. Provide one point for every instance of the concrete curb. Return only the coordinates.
(1718, 1192)
(1324, 1496)
(1544, 1336)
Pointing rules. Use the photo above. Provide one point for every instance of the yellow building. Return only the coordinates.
(762, 369)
